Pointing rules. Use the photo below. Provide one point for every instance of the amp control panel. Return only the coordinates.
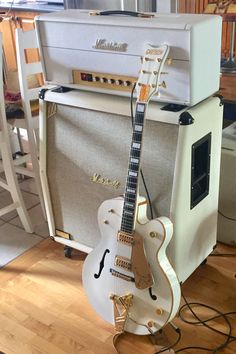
(103, 80)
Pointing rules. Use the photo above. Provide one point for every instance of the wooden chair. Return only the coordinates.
(30, 122)
(10, 182)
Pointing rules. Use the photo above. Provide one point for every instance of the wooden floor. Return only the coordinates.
(43, 308)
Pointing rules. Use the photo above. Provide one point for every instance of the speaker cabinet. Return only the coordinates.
(85, 141)
(227, 199)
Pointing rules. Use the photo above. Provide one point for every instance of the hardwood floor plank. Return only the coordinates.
(43, 308)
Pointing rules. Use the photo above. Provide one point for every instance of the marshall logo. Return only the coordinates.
(106, 181)
(117, 47)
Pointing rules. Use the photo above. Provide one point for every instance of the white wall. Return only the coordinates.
(166, 6)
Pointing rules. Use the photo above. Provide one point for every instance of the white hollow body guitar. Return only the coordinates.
(127, 277)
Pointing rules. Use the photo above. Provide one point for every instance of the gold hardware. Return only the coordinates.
(153, 234)
(63, 234)
(125, 238)
(105, 181)
(108, 83)
(150, 323)
(140, 266)
(159, 311)
(169, 61)
(121, 305)
(123, 262)
(105, 222)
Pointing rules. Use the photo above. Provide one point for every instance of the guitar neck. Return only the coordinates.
(131, 188)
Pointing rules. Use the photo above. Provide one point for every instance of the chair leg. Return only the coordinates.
(21, 148)
(20, 141)
(35, 165)
(14, 188)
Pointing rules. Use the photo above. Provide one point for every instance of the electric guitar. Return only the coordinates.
(127, 277)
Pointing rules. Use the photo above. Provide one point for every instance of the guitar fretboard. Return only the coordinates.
(131, 189)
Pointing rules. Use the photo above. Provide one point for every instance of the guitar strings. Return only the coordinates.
(141, 171)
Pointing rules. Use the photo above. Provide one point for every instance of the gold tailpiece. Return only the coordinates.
(121, 306)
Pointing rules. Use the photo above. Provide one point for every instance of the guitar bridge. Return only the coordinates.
(121, 306)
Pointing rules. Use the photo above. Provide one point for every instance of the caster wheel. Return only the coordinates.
(67, 251)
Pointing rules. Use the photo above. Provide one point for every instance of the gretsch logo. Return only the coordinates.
(105, 181)
(117, 47)
(154, 51)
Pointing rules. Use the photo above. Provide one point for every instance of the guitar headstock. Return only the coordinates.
(149, 78)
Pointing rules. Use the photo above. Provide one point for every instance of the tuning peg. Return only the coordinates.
(169, 61)
(163, 84)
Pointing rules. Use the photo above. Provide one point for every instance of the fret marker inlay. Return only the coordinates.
(136, 145)
(138, 128)
(133, 160)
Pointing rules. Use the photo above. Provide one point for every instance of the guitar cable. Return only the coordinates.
(225, 216)
(198, 321)
(188, 306)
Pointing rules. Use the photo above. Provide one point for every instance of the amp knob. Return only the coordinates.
(103, 80)
(111, 81)
(119, 82)
(127, 83)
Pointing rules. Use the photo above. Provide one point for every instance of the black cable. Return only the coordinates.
(222, 255)
(141, 172)
(226, 217)
(178, 331)
(229, 337)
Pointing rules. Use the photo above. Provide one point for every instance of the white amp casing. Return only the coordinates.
(67, 42)
(84, 148)
(227, 196)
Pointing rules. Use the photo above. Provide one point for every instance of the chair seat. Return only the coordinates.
(21, 122)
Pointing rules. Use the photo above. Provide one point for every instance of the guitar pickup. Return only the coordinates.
(123, 262)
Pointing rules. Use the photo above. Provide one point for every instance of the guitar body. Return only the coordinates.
(151, 308)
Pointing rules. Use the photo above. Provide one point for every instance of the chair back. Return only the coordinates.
(27, 40)
(3, 119)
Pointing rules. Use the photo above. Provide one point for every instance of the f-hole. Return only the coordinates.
(96, 276)
(152, 296)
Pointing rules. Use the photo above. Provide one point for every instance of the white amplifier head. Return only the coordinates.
(103, 53)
